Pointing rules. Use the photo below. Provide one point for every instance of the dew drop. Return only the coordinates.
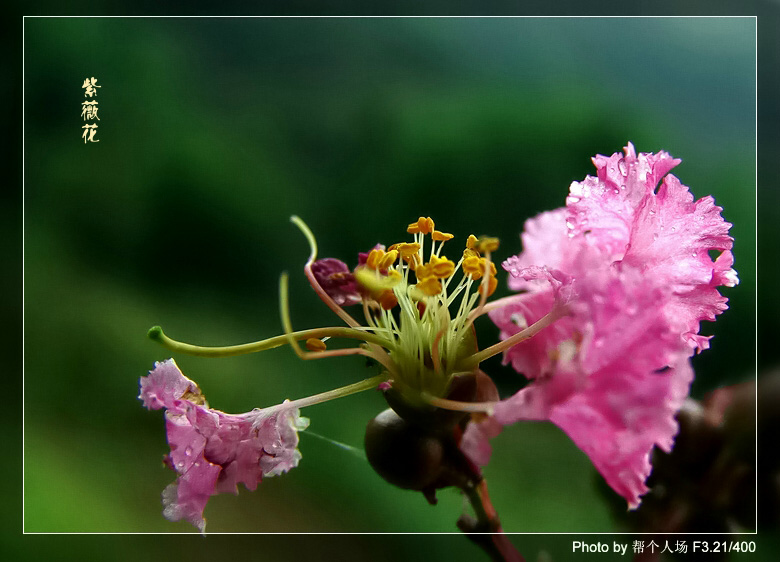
(569, 225)
(180, 464)
(655, 236)
(188, 451)
(674, 229)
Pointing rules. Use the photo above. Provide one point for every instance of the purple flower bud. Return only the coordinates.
(337, 281)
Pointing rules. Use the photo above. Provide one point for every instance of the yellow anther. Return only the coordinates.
(429, 286)
(313, 344)
(467, 253)
(443, 267)
(423, 224)
(487, 244)
(388, 259)
(374, 258)
(408, 249)
(423, 271)
(395, 274)
(472, 266)
(374, 283)
(441, 236)
(491, 287)
(471, 242)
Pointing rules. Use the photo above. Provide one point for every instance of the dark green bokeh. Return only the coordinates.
(213, 132)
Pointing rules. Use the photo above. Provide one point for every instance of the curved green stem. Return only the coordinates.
(366, 384)
(284, 311)
(156, 333)
(343, 314)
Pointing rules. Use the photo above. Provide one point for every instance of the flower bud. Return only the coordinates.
(402, 453)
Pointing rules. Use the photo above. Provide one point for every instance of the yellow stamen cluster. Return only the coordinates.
(429, 275)
(425, 225)
(474, 265)
(384, 269)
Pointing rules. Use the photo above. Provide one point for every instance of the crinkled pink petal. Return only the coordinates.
(665, 233)
(187, 497)
(604, 206)
(620, 315)
(636, 175)
(610, 387)
(671, 239)
(532, 357)
(164, 385)
(617, 423)
(211, 451)
(545, 242)
(475, 443)
(280, 441)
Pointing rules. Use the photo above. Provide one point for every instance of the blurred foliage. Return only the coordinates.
(213, 132)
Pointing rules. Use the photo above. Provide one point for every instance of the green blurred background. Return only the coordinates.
(214, 131)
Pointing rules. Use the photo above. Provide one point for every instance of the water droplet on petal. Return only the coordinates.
(655, 236)
(188, 451)
(569, 225)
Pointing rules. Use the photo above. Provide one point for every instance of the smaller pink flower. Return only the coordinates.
(211, 451)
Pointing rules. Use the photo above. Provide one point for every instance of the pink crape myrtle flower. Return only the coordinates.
(630, 265)
(211, 451)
